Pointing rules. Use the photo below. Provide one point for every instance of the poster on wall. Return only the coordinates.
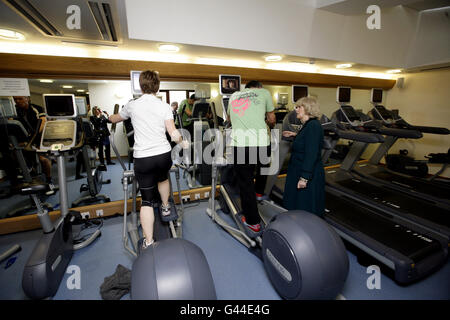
(14, 87)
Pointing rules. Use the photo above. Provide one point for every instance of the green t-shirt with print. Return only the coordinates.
(247, 110)
(184, 117)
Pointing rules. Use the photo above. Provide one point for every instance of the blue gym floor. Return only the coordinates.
(237, 274)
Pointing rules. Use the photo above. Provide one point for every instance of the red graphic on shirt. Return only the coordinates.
(240, 105)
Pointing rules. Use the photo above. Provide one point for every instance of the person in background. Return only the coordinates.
(305, 180)
(100, 122)
(29, 114)
(151, 118)
(185, 112)
(247, 111)
(174, 106)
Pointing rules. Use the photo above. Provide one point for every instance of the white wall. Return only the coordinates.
(286, 27)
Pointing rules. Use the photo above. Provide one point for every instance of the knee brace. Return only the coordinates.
(148, 197)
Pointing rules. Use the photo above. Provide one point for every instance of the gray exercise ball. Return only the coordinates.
(304, 257)
(172, 269)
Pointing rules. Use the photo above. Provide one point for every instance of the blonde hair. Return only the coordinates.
(311, 106)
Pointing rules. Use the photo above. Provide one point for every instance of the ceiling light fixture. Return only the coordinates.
(273, 58)
(344, 65)
(46, 81)
(80, 90)
(67, 87)
(11, 35)
(394, 71)
(168, 48)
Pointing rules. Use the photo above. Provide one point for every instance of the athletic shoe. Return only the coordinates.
(252, 230)
(146, 244)
(165, 210)
(51, 189)
(260, 197)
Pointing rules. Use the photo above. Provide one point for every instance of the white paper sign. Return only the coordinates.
(14, 87)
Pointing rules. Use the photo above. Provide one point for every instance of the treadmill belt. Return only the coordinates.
(383, 230)
(419, 186)
(401, 202)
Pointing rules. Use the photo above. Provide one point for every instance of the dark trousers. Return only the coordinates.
(247, 165)
(107, 153)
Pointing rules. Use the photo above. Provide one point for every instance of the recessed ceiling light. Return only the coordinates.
(80, 90)
(46, 81)
(394, 71)
(67, 87)
(344, 65)
(11, 35)
(273, 58)
(168, 48)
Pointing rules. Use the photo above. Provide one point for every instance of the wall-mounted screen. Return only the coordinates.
(343, 94)
(376, 95)
(229, 84)
(60, 105)
(298, 92)
(81, 105)
(135, 86)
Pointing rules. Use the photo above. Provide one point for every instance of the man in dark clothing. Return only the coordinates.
(100, 123)
(29, 114)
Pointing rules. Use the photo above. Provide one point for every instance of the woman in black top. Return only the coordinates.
(100, 123)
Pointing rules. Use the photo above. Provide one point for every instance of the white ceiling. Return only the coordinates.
(88, 43)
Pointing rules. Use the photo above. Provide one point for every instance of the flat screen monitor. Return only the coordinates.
(7, 107)
(60, 106)
(229, 84)
(298, 92)
(81, 106)
(343, 94)
(376, 95)
(135, 86)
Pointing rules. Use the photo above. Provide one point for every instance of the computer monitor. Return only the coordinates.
(376, 96)
(8, 107)
(60, 106)
(135, 86)
(298, 92)
(229, 84)
(343, 94)
(81, 106)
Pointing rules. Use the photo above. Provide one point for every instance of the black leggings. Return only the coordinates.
(149, 171)
(246, 170)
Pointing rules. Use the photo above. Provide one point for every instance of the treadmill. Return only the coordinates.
(405, 252)
(427, 214)
(422, 188)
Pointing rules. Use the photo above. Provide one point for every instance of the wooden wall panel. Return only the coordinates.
(38, 66)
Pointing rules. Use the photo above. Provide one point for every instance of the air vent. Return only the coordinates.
(29, 12)
(104, 20)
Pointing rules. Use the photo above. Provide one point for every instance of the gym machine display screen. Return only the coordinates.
(343, 94)
(299, 92)
(376, 95)
(81, 106)
(7, 107)
(61, 106)
(135, 86)
(229, 84)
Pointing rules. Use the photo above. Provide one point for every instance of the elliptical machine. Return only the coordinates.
(170, 269)
(49, 259)
(304, 257)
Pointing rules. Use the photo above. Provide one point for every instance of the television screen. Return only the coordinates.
(229, 84)
(298, 92)
(343, 94)
(81, 106)
(60, 105)
(377, 95)
(135, 86)
(7, 107)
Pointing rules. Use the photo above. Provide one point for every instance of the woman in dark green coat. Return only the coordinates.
(305, 180)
